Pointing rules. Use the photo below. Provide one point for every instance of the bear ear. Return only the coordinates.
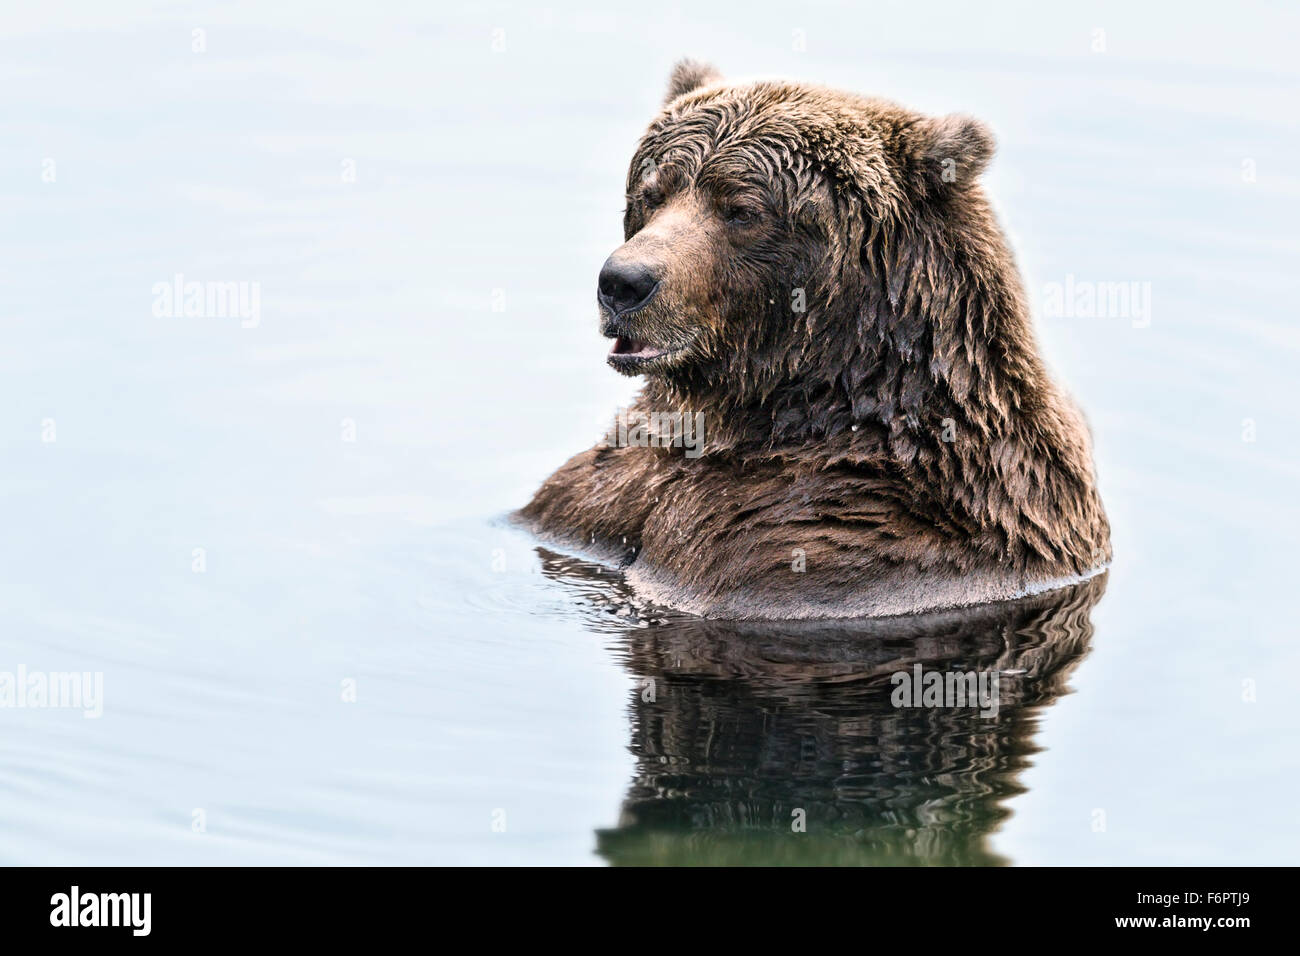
(954, 151)
(689, 75)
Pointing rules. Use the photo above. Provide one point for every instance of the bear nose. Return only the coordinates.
(624, 285)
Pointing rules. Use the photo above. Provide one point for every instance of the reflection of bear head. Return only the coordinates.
(787, 244)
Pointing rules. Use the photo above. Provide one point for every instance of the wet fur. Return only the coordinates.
(825, 428)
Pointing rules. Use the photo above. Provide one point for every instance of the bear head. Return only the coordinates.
(821, 257)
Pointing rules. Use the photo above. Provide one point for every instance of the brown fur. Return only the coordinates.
(825, 428)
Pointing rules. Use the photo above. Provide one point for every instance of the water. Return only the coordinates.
(242, 529)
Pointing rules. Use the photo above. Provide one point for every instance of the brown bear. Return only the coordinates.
(816, 282)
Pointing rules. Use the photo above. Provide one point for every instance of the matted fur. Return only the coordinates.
(899, 439)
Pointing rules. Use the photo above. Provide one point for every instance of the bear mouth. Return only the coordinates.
(633, 356)
(626, 347)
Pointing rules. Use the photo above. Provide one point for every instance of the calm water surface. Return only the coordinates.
(364, 663)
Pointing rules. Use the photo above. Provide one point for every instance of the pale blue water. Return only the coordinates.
(488, 180)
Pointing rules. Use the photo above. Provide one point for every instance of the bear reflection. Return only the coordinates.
(778, 743)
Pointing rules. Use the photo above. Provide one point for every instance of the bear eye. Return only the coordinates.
(642, 206)
(739, 215)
